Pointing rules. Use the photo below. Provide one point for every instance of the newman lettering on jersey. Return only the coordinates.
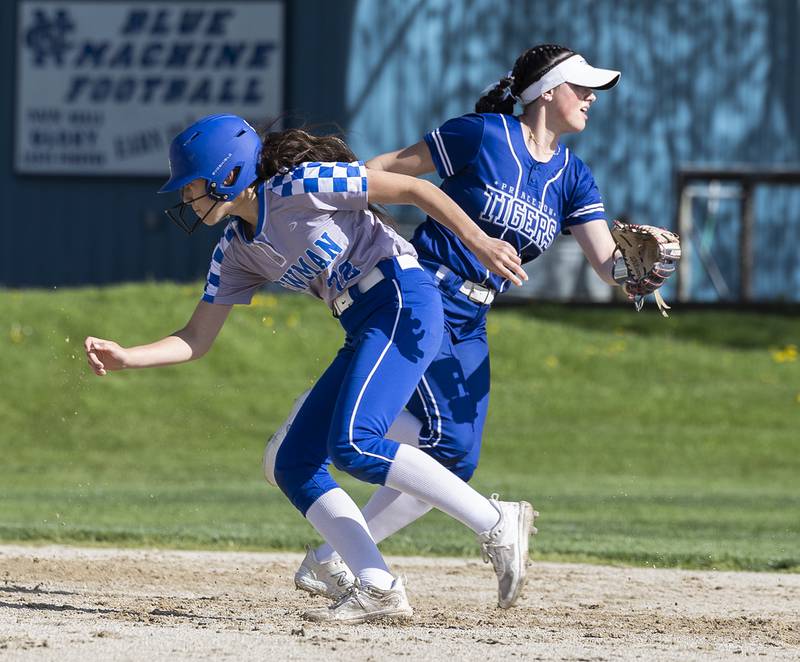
(502, 208)
(301, 273)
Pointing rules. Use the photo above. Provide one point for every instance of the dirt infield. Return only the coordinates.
(61, 603)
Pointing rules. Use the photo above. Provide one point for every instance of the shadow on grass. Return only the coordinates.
(739, 328)
(685, 561)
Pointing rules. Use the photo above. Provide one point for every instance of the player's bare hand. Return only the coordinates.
(501, 258)
(104, 355)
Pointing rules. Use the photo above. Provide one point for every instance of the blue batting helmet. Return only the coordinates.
(212, 148)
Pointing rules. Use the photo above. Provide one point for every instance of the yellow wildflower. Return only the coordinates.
(786, 355)
(15, 334)
(264, 301)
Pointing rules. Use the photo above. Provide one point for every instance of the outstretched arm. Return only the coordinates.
(191, 342)
(497, 255)
(414, 160)
(598, 246)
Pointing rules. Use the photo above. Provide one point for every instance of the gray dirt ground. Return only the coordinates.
(64, 603)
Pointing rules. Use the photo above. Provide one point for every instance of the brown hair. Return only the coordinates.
(283, 150)
(529, 67)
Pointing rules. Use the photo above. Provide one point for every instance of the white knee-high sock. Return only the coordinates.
(388, 510)
(418, 474)
(339, 521)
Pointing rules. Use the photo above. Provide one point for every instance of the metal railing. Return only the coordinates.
(737, 181)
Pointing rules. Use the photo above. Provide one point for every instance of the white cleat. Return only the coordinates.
(365, 603)
(506, 546)
(330, 579)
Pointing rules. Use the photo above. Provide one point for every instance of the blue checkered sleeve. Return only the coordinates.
(340, 185)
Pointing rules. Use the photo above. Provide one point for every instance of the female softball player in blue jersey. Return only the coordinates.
(306, 225)
(513, 177)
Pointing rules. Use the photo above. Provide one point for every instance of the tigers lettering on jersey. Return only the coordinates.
(517, 214)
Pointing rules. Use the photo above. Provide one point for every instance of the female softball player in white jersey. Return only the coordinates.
(306, 225)
(517, 182)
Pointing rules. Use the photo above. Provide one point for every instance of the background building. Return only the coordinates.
(703, 83)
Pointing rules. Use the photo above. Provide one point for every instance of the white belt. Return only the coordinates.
(477, 293)
(473, 291)
(370, 280)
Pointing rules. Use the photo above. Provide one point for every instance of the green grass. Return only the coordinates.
(641, 440)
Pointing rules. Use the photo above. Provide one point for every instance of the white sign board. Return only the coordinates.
(102, 87)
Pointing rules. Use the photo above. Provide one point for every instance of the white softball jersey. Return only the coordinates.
(315, 234)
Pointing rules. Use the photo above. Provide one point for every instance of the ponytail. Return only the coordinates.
(497, 98)
(529, 67)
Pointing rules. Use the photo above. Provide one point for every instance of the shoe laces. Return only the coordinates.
(489, 545)
(351, 593)
(488, 552)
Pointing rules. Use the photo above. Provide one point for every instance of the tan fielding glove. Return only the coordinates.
(650, 255)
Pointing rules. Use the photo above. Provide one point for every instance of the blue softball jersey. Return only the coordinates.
(488, 170)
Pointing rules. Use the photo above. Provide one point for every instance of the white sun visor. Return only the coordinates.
(573, 70)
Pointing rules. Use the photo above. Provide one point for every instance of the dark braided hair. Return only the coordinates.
(529, 67)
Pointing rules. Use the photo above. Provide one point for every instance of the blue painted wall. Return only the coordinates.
(708, 82)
